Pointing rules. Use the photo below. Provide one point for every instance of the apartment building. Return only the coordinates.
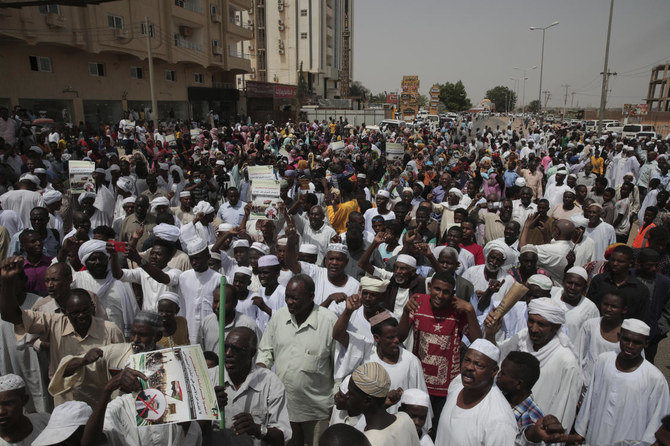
(288, 33)
(658, 96)
(88, 64)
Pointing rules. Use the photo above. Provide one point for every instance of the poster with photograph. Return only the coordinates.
(264, 200)
(178, 388)
(81, 176)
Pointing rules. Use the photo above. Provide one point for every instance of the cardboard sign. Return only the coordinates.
(178, 388)
(394, 151)
(81, 176)
(264, 200)
(260, 173)
(337, 145)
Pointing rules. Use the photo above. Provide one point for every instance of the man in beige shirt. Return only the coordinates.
(70, 333)
(494, 224)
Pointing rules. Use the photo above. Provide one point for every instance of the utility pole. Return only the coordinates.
(547, 96)
(154, 104)
(572, 100)
(565, 100)
(603, 93)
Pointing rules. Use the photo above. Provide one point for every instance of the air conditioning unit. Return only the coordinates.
(121, 33)
(251, 47)
(280, 5)
(216, 17)
(186, 31)
(281, 50)
(55, 20)
(281, 25)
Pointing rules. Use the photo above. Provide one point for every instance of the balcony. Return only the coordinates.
(238, 62)
(191, 5)
(240, 29)
(183, 43)
(55, 20)
(226, 85)
(243, 4)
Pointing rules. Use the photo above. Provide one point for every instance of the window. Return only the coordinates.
(303, 13)
(136, 73)
(115, 21)
(46, 9)
(143, 29)
(40, 64)
(170, 75)
(215, 43)
(303, 35)
(213, 9)
(96, 69)
(199, 78)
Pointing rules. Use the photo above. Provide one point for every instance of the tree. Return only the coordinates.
(502, 97)
(379, 98)
(302, 87)
(533, 106)
(454, 96)
(423, 101)
(358, 90)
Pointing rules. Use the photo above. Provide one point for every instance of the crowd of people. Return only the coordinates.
(496, 284)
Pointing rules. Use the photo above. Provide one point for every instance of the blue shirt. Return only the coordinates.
(51, 244)
(527, 412)
(510, 177)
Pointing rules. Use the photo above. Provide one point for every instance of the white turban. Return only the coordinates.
(540, 280)
(159, 201)
(11, 381)
(415, 397)
(203, 207)
(125, 184)
(86, 195)
(167, 232)
(91, 246)
(169, 295)
(497, 245)
(456, 191)
(374, 285)
(128, 200)
(548, 309)
(51, 197)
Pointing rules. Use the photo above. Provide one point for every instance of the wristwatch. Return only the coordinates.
(263, 431)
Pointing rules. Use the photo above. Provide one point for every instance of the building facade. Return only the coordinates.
(291, 33)
(658, 96)
(88, 64)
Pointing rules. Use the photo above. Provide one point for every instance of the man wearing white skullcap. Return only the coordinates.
(627, 396)
(16, 427)
(416, 404)
(184, 212)
(117, 297)
(308, 253)
(601, 232)
(175, 328)
(476, 412)
(559, 387)
(572, 297)
(382, 209)
(555, 189)
(241, 279)
(270, 297)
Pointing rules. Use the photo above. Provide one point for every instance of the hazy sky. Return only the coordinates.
(481, 41)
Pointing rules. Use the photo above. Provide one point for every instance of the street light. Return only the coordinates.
(523, 101)
(533, 28)
(516, 88)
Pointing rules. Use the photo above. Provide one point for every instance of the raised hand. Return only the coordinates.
(11, 268)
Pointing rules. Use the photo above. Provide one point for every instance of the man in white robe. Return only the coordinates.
(270, 297)
(23, 199)
(601, 232)
(627, 396)
(578, 308)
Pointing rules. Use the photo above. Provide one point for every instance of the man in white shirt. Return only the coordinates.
(578, 309)
(270, 297)
(314, 230)
(552, 256)
(232, 211)
(524, 206)
(600, 232)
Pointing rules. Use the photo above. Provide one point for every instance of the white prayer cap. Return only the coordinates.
(344, 386)
(224, 227)
(282, 241)
(528, 248)
(456, 191)
(548, 309)
(30, 177)
(415, 397)
(125, 184)
(562, 172)
(63, 422)
(580, 221)
(11, 381)
(241, 243)
(408, 189)
(581, 272)
(540, 280)
(203, 207)
(487, 348)
(268, 260)
(407, 260)
(128, 200)
(159, 201)
(51, 197)
(86, 195)
(520, 182)
(89, 247)
(41, 171)
(261, 247)
(338, 247)
(243, 270)
(220, 163)
(384, 193)
(636, 326)
(163, 166)
(362, 175)
(497, 245)
(114, 168)
(196, 246)
(215, 255)
(309, 248)
(167, 232)
(184, 194)
(169, 295)
(374, 285)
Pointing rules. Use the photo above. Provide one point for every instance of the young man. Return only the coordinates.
(627, 396)
(578, 309)
(270, 296)
(15, 427)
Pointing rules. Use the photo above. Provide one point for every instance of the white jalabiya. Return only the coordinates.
(590, 344)
(246, 305)
(560, 384)
(399, 433)
(197, 294)
(274, 301)
(323, 286)
(622, 406)
(21, 201)
(602, 235)
(152, 289)
(56, 222)
(491, 422)
(116, 296)
(575, 316)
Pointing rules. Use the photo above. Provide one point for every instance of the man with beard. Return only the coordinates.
(476, 412)
(117, 297)
(115, 418)
(438, 321)
(313, 230)
(71, 333)
(254, 397)
(270, 296)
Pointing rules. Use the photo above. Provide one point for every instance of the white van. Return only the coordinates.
(631, 130)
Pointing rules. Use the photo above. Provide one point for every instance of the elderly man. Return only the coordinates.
(578, 309)
(302, 330)
(627, 396)
(17, 428)
(476, 412)
(551, 256)
(558, 389)
(368, 389)
(254, 397)
(117, 297)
